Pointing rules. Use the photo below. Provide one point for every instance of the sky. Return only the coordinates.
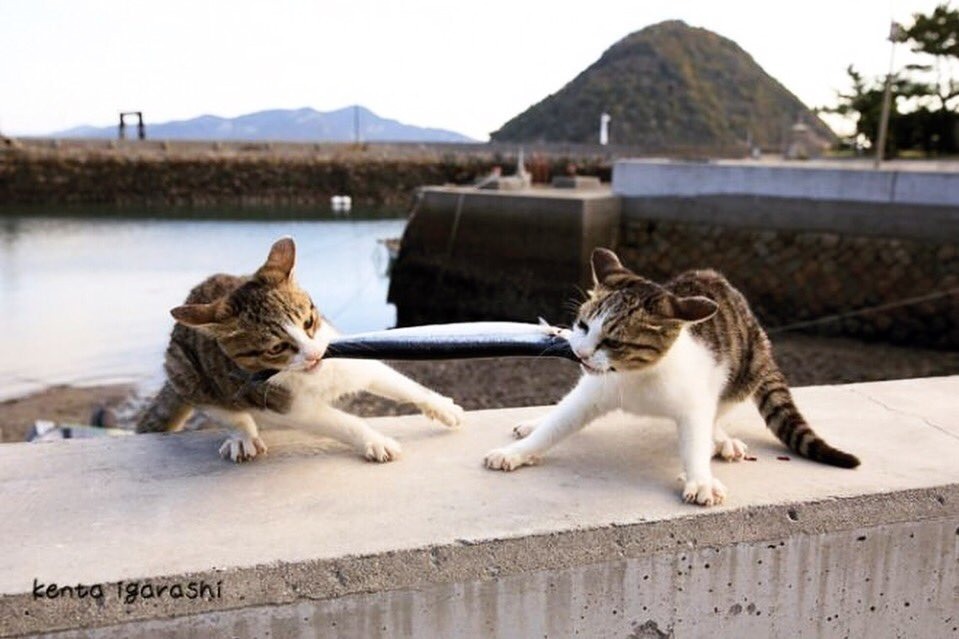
(468, 67)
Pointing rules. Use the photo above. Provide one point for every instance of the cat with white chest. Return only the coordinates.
(688, 350)
(232, 327)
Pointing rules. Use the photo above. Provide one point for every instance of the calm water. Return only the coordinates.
(86, 301)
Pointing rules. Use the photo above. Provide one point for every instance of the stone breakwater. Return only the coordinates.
(256, 173)
(793, 277)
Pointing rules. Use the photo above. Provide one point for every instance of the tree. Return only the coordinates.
(936, 35)
(864, 102)
(924, 96)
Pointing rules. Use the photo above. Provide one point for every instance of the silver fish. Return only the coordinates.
(465, 340)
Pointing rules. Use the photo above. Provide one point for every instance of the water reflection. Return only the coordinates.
(86, 300)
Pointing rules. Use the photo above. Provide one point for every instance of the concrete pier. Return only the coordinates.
(469, 254)
(874, 253)
(312, 541)
(916, 202)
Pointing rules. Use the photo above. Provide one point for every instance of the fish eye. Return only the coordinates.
(581, 325)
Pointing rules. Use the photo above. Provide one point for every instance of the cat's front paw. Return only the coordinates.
(442, 409)
(731, 449)
(708, 492)
(241, 448)
(381, 449)
(523, 429)
(507, 459)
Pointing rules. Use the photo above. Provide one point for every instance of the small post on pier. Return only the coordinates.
(141, 128)
(895, 35)
(604, 129)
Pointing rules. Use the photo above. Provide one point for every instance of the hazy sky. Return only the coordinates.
(463, 66)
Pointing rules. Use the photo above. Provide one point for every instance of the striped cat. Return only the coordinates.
(688, 350)
(233, 327)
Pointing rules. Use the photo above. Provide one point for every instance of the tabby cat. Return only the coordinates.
(688, 350)
(231, 328)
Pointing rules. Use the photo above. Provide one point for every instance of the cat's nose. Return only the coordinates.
(582, 353)
(312, 360)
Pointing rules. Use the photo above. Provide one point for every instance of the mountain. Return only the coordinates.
(668, 85)
(299, 125)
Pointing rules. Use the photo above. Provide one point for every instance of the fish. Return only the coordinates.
(466, 340)
(463, 340)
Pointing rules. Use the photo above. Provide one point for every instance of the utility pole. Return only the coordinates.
(356, 124)
(895, 33)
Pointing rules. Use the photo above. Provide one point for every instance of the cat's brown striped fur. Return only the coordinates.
(235, 320)
(639, 314)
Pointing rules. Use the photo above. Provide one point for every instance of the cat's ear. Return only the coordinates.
(278, 267)
(606, 265)
(206, 316)
(692, 309)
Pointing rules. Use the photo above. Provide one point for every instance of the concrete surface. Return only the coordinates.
(817, 181)
(310, 540)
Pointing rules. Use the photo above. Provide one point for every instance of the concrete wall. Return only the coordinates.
(791, 276)
(805, 243)
(184, 173)
(808, 181)
(309, 540)
(469, 254)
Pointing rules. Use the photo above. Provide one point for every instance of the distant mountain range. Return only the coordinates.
(295, 125)
(669, 84)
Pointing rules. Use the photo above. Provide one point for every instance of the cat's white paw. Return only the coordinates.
(731, 449)
(443, 409)
(709, 492)
(241, 448)
(507, 459)
(381, 449)
(523, 429)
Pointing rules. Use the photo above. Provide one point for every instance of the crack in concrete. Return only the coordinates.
(925, 420)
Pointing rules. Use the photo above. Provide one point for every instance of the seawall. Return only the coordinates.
(58, 172)
(312, 541)
(830, 250)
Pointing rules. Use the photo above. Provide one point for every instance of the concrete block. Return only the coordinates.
(312, 541)
(576, 182)
(473, 254)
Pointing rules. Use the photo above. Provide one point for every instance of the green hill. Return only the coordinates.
(667, 86)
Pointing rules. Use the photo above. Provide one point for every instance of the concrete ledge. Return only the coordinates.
(817, 181)
(311, 540)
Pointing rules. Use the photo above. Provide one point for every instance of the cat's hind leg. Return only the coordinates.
(166, 413)
(728, 448)
(724, 446)
(244, 442)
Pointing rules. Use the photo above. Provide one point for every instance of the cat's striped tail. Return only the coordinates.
(776, 405)
(166, 412)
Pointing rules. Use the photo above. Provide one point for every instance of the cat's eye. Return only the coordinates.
(278, 348)
(611, 343)
(581, 325)
(308, 324)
